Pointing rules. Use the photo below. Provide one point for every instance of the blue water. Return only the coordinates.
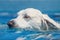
(17, 34)
(9, 9)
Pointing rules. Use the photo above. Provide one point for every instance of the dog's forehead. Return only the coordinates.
(20, 12)
(30, 12)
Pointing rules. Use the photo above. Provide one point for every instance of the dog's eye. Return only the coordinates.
(26, 16)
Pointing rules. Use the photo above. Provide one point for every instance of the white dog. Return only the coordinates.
(31, 18)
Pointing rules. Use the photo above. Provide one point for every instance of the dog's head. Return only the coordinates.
(27, 18)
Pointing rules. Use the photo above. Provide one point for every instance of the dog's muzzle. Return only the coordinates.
(11, 23)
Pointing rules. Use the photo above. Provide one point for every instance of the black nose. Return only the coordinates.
(11, 23)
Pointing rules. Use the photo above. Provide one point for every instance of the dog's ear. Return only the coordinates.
(50, 22)
(50, 26)
(46, 25)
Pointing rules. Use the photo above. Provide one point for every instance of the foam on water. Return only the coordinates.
(16, 34)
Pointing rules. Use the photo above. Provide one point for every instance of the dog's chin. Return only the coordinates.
(13, 26)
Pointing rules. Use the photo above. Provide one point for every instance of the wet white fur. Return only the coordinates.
(36, 19)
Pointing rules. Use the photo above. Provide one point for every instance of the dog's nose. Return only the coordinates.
(11, 23)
